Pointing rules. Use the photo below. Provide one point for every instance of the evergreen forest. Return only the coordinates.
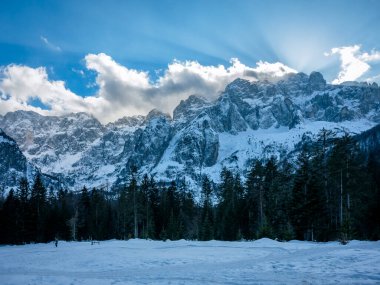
(331, 191)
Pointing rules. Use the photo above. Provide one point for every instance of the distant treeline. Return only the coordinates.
(331, 192)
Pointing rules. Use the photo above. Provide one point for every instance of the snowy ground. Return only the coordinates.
(187, 262)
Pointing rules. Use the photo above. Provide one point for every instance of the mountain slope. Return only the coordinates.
(13, 164)
(248, 120)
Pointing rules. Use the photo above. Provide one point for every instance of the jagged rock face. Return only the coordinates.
(342, 103)
(295, 85)
(264, 104)
(284, 111)
(49, 140)
(13, 164)
(249, 119)
(316, 81)
(127, 124)
(225, 116)
(189, 109)
(146, 146)
(151, 143)
(198, 145)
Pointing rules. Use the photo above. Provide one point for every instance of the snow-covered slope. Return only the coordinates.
(14, 166)
(260, 119)
(248, 120)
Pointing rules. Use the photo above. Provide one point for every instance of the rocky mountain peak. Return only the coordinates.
(22, 115)
(316, 81)
(189, 107)
(193, 101)
(131, 122)
(249, 119)
(157, 114)
(82, 116)
(299, 77)
(241, 86)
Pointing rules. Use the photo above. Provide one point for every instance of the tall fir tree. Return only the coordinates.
(38, 205)
(23, 194)
(83, 209)
(206, 221)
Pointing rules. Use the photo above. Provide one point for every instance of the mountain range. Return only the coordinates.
(249, 119)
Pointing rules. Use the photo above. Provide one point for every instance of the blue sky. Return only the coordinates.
(147, 36)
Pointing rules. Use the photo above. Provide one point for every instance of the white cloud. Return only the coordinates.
(277, 69)
(371, 79)
(20, 84)
(354, 63)
(371, 57)
(49, 44)
(123, 91)
(131, 91)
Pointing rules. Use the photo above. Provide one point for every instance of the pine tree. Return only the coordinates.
(227, 207)
(299, 197)
(83, 218)
(371, 213)
(96, 215)
(344, 169)
(277, 185)
(122, 213)
(239, 194)
(173, 212)
(255, 195)
(153, 194)
(9, 219)
(308, 209)
(133, 190)
(206, 225)
(187, 212)
(23, 195)
(64, 204)
(323, 145)
(38, 210)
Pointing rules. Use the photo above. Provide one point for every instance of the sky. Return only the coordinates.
(122, 58)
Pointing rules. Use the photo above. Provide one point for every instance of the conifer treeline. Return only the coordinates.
(331, 192)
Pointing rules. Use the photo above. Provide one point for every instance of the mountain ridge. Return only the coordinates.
(249, 119)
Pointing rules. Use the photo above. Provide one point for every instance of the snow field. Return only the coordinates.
(191, 262)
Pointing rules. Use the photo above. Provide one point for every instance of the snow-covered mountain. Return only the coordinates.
(13, 164)
(248, 120)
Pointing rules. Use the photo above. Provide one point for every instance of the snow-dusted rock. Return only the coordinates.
(249, 119)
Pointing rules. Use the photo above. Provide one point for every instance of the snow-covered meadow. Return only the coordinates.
(190, 262)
